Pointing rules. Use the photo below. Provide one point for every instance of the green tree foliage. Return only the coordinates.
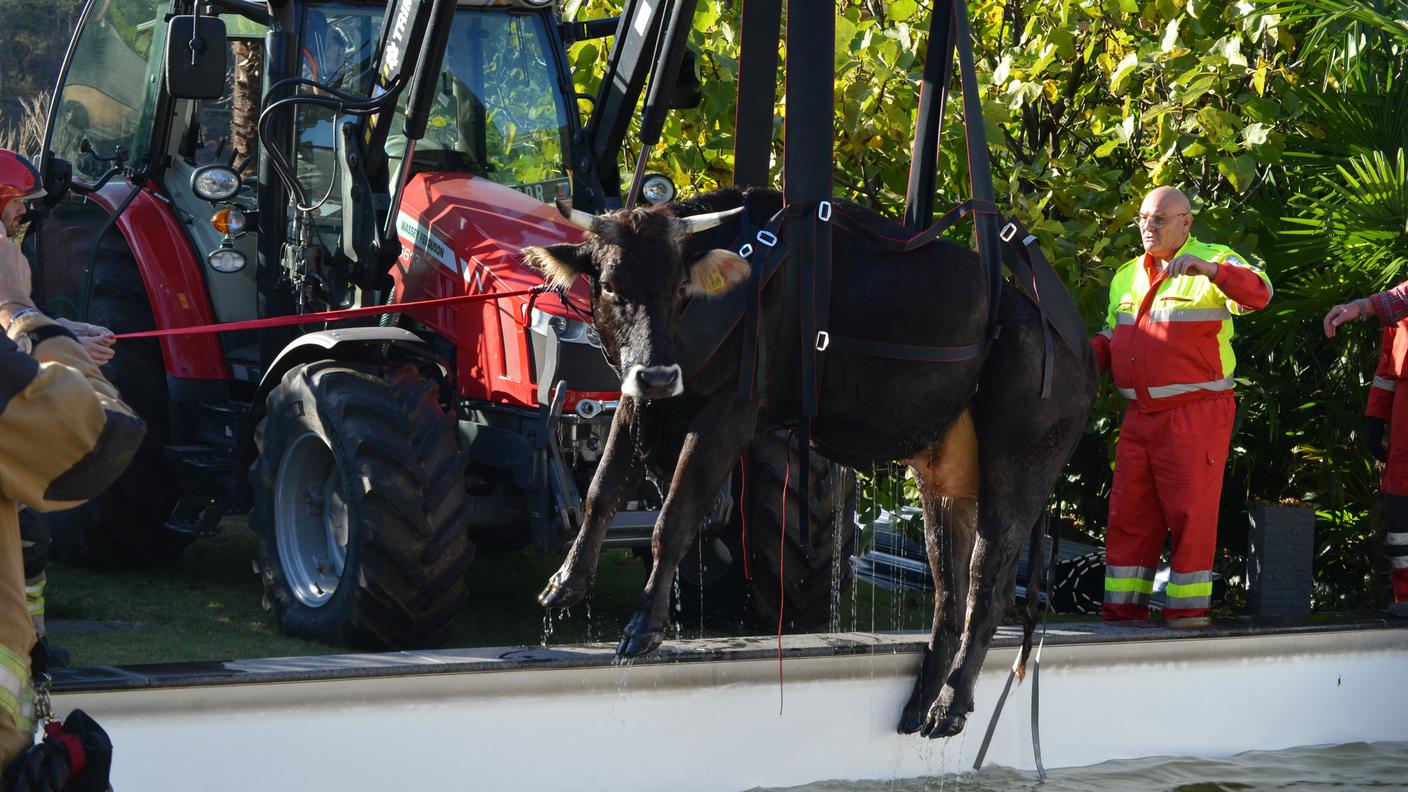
(1283, 121)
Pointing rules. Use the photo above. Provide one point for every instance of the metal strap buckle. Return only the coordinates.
(823, 340)
(823, 211)
(746, 250)
(1008, 231)
(767, 237)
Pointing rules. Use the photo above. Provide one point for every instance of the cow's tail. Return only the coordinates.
(1031, 604)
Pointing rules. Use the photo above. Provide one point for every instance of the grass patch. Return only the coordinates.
(207, 607)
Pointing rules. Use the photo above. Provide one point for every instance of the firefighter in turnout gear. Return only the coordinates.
(1167, 343)
(65, 435)
(1387, 414)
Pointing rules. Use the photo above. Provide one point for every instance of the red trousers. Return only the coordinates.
(1395, 488)
(1168, 479)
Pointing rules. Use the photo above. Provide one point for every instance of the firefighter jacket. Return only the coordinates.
(1167, 341)
(1392, 369)
(65, 435)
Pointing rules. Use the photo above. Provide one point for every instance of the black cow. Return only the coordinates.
(645, 264)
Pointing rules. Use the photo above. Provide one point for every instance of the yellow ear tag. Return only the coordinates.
(716, 282)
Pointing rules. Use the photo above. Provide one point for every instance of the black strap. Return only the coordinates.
(757, 91)
(924, 354)
(933, 98)
(46, 332)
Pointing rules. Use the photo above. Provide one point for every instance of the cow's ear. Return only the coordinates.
(560, 264)
(716, 272)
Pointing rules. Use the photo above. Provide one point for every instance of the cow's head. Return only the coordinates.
(642, 271)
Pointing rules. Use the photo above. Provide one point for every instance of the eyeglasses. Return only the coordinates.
(1155, 221)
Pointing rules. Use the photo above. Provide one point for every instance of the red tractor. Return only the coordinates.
(405, 151)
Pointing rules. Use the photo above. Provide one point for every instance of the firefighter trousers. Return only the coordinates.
(1395, 489)
(1168, 480)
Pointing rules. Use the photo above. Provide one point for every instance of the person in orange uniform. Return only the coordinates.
(1167, 343)
(1388, 406)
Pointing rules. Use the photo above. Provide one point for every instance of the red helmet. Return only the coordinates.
(18, 178)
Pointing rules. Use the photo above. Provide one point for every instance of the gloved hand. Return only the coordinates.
(43, 768)
(74, 757)
(1374, 438)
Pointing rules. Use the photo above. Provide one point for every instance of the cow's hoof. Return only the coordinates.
(563, 591)
(946, 717)
(640, 638)
(915, 712)
(947, 726)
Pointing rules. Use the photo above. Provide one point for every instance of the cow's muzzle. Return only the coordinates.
(653, 382)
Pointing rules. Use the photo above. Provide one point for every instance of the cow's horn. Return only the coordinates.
(576, 216)
(704, 222)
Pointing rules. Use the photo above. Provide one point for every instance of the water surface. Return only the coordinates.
(1382, 765)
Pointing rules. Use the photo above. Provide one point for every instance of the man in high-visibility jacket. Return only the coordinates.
(1388, 405)
(1167, 342)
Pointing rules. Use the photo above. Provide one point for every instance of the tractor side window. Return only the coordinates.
(107, 99)
(339, 46)
(499, 112)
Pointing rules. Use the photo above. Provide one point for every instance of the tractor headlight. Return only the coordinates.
(656, 188)
(226, 259)
(215, 183)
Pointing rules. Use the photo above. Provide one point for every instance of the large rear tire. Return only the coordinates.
(799, 580)
(126, 525)
(360, 507)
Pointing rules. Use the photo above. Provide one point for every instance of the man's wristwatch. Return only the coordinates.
(17, 315)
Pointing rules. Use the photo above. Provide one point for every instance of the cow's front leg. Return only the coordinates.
(717, 435)
(617, 468)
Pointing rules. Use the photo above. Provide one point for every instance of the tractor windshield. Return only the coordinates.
(499, 109)
(499, 112)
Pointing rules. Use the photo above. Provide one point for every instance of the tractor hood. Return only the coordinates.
(475, 229)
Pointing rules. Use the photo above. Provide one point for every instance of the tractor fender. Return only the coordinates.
(347, 343)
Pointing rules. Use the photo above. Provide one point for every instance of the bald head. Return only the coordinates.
(1165, 218)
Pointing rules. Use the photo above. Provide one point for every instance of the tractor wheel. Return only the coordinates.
(360, 507)
(718, 586)
(125, 526)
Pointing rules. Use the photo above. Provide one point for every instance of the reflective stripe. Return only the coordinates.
(1189, 590)
(1385, 383)
(1190, 315)
(1188, 603)
(1184, 578)
(1126, 597)
(1164, 391)
(1398, 538)
(1108, 333)
(1124, 318)
(1128, 393)
(1400, 562)
(15, 696)
(1116, 570)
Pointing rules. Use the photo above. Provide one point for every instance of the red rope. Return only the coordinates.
(325, 316)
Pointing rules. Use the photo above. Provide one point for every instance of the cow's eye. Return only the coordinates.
(607, 290)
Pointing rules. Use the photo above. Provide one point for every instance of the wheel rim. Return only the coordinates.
(310, 520)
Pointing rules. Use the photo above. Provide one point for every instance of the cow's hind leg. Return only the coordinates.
(618, 467)
(717, 435)
(948, 481)
(1026, 441)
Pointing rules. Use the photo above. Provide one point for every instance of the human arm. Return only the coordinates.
(65, 433)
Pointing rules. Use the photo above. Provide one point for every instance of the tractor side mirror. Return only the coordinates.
(195, 57)
(58, 179)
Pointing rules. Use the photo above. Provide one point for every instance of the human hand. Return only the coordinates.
(1189, 264)
(14, 274)
(97, 341)
(1344, 312)
(1374, 439)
